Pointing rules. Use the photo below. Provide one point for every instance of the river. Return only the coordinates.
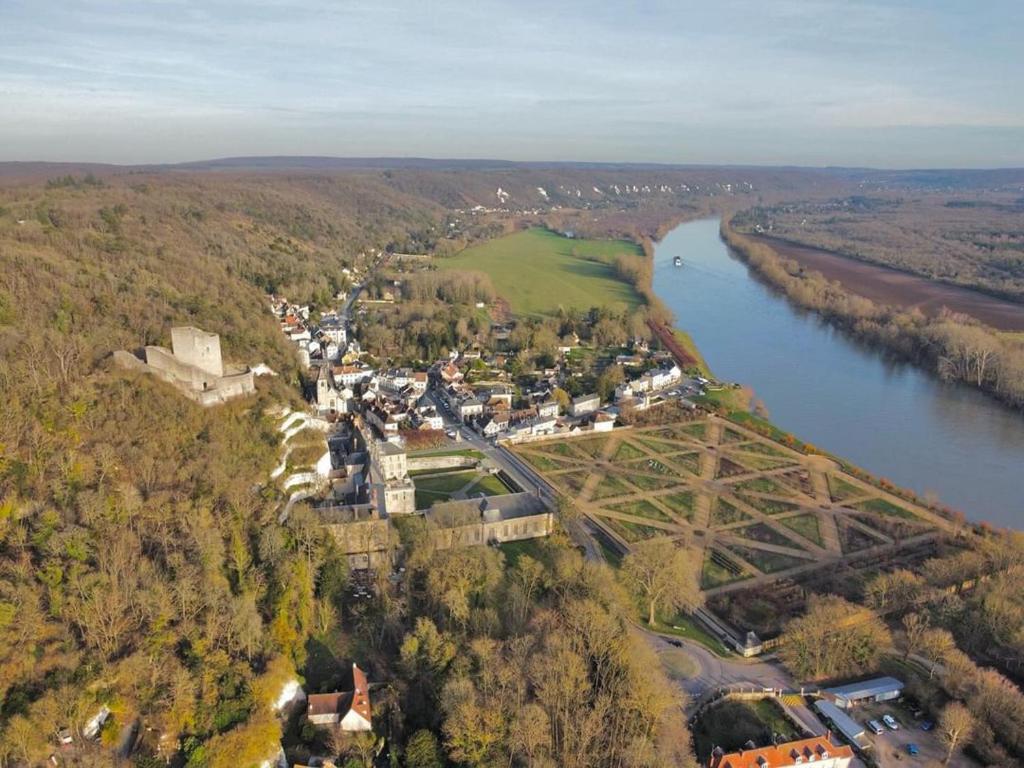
(892, 419)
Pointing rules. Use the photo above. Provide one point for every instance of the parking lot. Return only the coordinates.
(890, 747)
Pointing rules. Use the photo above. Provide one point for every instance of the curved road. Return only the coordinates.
(715, 673)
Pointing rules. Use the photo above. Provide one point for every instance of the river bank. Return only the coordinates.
(887, 285)
(951, 348)
(900, 424)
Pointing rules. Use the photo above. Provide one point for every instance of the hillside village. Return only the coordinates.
(384, 427)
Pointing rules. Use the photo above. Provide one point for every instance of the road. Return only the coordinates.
(522, 473)
(714, 673)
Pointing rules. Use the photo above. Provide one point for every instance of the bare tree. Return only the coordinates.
(956, 725)
(915, 625)
(662, 574)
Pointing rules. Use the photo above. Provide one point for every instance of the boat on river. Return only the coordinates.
(678, 261)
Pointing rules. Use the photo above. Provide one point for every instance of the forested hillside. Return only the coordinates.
(138, 568)
(142, 564)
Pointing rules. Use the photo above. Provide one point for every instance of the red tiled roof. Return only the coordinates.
(784, 754)
(324, 703)
(361, 695)
(343, 702)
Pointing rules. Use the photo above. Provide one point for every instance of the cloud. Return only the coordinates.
(555, 79)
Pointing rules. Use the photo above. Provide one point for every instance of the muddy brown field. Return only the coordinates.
(890, 286)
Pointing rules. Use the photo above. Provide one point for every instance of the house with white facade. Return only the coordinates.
(584, 404)
(348, 710)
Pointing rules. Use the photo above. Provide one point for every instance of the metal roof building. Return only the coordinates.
(851, 730)
(877, 689)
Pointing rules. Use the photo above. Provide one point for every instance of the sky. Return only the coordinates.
(907, 83)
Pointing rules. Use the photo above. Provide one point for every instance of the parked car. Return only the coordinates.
(876, 727)
(927, 725)
(911, 749)
(890, 722)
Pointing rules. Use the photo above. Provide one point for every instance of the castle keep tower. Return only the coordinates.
(197, 347)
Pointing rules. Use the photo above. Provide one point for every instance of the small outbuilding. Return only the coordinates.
(876, 689)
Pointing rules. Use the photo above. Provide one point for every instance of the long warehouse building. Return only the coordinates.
(850, 729)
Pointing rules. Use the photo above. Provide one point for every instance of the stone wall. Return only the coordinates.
(500, 531)
(421, 463)
(366, 543)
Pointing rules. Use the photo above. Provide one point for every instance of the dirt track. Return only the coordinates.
(902, 289)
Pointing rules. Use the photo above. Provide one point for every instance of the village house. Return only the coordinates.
(348, 710)
(584, 404)
(419, 382)
(494, 425)
(426, 417)
(350, 375)
(391, 488)
(815, 752)
(535, 427)
(386, 422)
(450, 373)
(469, 407)
(663, 378)
(332, 328)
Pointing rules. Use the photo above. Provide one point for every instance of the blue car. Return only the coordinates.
(911, 749)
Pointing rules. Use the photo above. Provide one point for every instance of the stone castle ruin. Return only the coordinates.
(193, 365)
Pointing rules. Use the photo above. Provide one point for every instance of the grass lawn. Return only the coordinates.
(445, 483)
(685, 626)
(611, 485)
(626, 452)
(648, 483)
(681, 503)
(806, 526)
(763, 485)
(427, 472)
(765, 561)
(687, 343)
(714, 574)
(513, 550)
(538, 271)
(490, 485)
(470, 453)
(641, 508)
(883, 507)
(632, 532)
(541, 462)
(426, 499)
(839, 489)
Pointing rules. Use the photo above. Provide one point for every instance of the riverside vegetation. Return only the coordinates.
(955, 347)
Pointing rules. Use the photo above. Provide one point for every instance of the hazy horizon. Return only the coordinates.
(909, 84)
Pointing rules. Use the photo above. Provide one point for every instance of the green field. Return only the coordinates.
(538, 271)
